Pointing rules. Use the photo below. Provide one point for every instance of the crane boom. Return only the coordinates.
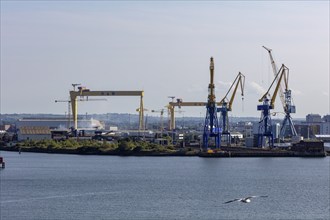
(272, 101)
(275, 71)
(239, 80)
(282, 74)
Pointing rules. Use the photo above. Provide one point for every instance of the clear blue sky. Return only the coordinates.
(162, 48)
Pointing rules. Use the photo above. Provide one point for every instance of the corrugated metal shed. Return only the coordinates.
(42, 130)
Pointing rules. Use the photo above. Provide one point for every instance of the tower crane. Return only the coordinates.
(287, 103)
(265, 123)
(226, 105)
(211, 125)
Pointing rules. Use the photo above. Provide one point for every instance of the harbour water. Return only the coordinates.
(53, 186)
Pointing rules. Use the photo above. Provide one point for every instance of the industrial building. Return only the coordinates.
(58, 123)
(313, 118)
(34, 133)
(325, 125)
(41, 128)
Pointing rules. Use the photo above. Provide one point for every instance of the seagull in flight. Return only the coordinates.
(244, 200)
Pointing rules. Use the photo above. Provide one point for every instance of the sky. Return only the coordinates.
(164, 49)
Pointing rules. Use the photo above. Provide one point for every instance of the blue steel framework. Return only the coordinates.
(226, 137)
(287, 127)
(211, 125)
(265, 124)
(226, 106)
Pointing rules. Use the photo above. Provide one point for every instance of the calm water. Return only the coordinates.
(51, 186)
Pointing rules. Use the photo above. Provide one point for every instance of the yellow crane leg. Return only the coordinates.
(172, 122)
(74, 110)
(141, 114)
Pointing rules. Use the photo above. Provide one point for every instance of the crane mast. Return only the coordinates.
(226, 105)
(286, 99)
(211, 126)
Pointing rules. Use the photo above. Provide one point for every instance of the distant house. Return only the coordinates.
(33, 133)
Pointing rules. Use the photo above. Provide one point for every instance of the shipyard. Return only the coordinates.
(214, 136)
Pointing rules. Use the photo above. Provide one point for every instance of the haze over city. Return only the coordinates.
(163, 48)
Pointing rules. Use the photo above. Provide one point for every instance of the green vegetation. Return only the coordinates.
(93, 146)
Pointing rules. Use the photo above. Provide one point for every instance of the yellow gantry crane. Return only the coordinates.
(226, 104)
(84, 92)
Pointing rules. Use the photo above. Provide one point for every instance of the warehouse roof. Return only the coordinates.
(34, 130)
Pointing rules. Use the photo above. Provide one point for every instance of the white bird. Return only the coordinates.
(244, 200)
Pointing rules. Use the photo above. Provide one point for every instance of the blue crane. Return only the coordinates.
(287, 127)
(226, 106)
(211, 125)
(265, 123)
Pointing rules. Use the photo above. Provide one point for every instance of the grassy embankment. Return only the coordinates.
(120, 147)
